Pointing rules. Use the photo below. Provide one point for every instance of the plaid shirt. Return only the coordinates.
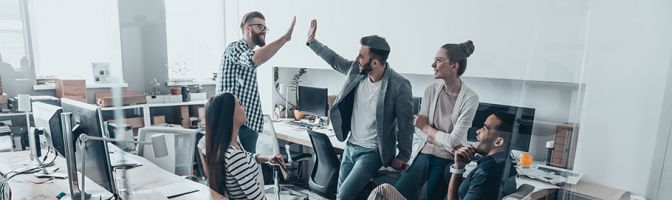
(239, 77)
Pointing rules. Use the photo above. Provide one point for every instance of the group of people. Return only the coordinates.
(374, 113)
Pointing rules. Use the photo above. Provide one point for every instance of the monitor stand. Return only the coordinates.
(45, 173)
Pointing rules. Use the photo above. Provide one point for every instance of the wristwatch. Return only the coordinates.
(455, 170)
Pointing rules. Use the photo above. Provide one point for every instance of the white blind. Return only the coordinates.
(12, 45)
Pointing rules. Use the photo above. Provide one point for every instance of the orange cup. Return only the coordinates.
(526, 160)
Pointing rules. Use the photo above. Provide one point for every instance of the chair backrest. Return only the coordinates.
(267, 143)
(180, 143)
(324, 177)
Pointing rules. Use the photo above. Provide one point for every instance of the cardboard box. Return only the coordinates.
(158, 120)
(134, 122)
(201, 114)
(184, 114)
(71, 89)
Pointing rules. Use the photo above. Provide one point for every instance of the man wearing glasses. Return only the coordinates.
(239, 71)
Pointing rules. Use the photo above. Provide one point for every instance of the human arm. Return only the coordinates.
(334, 60)
(458, 136)
(404, 112)
(266, 52)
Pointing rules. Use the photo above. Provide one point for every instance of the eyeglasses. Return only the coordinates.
(262, 27)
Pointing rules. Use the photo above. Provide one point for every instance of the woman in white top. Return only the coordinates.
(232, 171)
(446, 113)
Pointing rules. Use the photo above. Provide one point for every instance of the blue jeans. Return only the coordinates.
(426, 168)
(358, 166)
(248, 138)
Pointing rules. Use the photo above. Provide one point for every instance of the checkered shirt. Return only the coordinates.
(239, 77)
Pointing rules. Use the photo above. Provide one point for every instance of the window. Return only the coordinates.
(68, 36)
(12, 43)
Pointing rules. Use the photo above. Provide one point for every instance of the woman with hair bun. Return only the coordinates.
(446, 113)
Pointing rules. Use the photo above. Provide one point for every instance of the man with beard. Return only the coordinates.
(375, 108)
(239, 72)
(494, 175)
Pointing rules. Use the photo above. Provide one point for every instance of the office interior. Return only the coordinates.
(590, 82)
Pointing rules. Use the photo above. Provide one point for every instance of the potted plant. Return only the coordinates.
(293, 87)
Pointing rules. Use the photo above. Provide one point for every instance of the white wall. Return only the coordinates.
(527, 40)
(195, 38)
(627, 66)
(553, 102)
(661, 171)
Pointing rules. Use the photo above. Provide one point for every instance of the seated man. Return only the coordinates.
(493, 177)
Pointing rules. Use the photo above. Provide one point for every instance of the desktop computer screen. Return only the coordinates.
(48, 118)
(86, 118)
(522, 128)
(313, 100)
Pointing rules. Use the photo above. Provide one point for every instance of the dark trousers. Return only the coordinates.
(248, 138)
(425, 169)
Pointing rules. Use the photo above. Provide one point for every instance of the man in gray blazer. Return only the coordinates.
(375, 108)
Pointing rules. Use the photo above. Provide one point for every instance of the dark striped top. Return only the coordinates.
(241, 175)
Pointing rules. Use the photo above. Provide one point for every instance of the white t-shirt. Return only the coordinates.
(364, 132)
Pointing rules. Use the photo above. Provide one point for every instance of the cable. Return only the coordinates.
(11, 174)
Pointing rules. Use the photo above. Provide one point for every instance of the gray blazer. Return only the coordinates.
(394, 115)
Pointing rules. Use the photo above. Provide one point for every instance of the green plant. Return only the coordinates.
(293, 84)
(296, 80)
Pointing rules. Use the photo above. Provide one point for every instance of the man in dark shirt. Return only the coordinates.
(494, 176)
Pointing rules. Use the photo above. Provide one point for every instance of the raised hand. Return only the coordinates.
(288, 36)
(312, 30)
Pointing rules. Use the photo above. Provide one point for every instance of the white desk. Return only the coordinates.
(139, 178)
(299, 135)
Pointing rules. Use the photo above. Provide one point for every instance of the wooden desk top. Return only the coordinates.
(143, 177)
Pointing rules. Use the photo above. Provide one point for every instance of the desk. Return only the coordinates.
(299, 135)
(143, 177)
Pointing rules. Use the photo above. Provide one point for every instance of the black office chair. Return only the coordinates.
(324, 178)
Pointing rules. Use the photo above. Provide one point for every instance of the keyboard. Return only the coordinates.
(301, 124)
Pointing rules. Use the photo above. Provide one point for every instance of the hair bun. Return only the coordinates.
(468, 47)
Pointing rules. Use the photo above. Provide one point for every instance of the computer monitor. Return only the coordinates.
(86, 118)
(522, 127)
(48, 118)
(313, 100)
